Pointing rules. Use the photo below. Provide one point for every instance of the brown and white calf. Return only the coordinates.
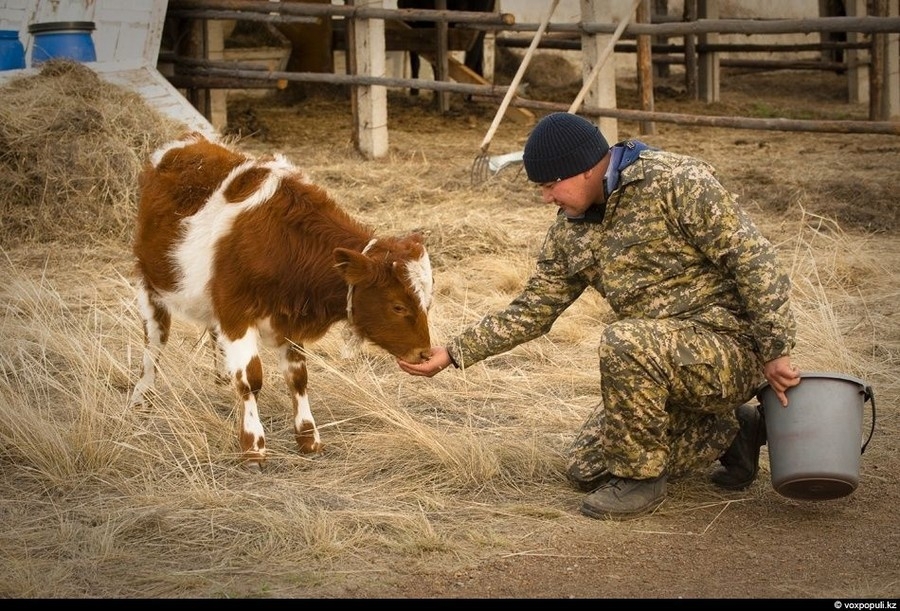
(250, 249)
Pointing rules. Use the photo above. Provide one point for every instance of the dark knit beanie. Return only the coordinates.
(562, 145)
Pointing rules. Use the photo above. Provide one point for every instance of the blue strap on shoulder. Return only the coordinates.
(623, 155)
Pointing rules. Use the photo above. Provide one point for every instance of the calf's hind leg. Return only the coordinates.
(219, 364)
(293, 366)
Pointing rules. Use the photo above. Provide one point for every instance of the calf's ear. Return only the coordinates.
(353, 266)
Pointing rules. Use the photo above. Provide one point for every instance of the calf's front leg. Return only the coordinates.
(293, 366)
(245, 369)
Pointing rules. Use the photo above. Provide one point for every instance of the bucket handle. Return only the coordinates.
(869, 395)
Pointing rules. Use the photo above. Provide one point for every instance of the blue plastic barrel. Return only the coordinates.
(12, 53)
(62, 39)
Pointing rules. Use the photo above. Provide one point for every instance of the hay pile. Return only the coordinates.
(71, 146)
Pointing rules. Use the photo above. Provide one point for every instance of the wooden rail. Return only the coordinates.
(892, 128)
(499, 20)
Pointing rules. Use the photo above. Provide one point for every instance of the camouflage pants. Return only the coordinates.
(669, 390)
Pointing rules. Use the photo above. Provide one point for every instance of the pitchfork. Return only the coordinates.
(484, 165)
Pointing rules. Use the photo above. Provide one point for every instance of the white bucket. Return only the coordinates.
(814, 442)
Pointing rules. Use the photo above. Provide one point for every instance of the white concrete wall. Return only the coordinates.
(15, 15)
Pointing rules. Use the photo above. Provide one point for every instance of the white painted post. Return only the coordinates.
(370, 100)
(602, 93)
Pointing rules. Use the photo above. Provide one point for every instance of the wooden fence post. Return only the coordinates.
(708, 65)
(690, 52)
(891, 104)
(645, 67)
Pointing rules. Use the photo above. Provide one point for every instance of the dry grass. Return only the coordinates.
(419, 476)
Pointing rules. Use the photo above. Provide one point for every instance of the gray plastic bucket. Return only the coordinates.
(814, 442)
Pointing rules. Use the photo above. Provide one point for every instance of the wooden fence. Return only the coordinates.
(197, 72)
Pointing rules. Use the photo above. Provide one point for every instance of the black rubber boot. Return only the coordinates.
(740, 463)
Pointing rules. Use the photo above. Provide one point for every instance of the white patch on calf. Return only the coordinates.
(422, 280)
(193, 256)
(239, 352)
(267, 189)
(279, 163)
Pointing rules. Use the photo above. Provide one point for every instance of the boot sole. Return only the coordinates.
(598, 514)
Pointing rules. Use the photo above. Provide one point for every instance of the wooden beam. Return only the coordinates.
(728, 26)
(333, 10)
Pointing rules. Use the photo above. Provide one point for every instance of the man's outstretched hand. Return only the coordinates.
(438, 361)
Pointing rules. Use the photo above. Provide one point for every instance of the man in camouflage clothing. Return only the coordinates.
(703, 314)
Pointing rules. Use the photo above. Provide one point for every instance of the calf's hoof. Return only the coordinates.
(307, 438)
(254, 466)
(308, 444)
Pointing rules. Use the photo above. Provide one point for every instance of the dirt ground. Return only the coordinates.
(751, 544)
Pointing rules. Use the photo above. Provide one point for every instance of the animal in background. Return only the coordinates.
(254, 252)
(474, 55)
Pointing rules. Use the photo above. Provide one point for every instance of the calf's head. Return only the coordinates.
(390, 292)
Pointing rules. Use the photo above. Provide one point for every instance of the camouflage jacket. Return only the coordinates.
(673, 243)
